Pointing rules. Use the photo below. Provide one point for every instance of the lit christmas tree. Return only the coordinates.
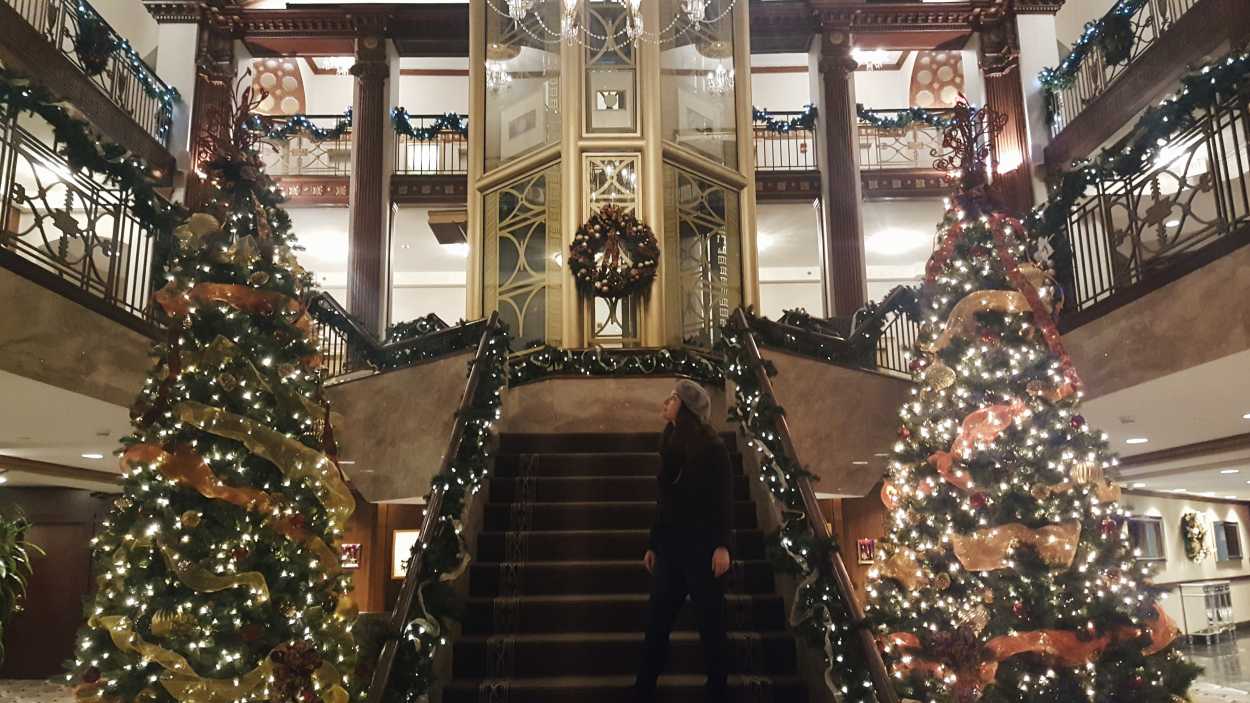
(217, 568)
(1006, 574)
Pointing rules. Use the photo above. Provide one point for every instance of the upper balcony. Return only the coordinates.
(75, 53)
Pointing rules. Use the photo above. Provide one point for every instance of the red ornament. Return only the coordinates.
(1109, 527)
(91, 675)
(979, 500)
(299, 521)
(904, 433)
(1078, 421)
(239, 553)
(1018, 609)
(251, 632)
(991, 337)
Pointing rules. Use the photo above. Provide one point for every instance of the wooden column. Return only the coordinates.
(1004, 93)
(211, 106)
(842, 225)
(368, 258)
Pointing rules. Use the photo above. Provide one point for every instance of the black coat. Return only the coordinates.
(695, 491)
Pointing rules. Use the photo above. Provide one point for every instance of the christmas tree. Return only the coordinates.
(1006, 574)
(217, 569)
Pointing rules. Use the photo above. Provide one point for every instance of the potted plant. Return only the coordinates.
(15, 567)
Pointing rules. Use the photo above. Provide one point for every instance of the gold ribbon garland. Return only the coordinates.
(988, 549)
(963, 316)
(979, 427)
(295, 460)
(205, 581)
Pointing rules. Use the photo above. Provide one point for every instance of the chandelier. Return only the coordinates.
(690, 15)
(497, 76)
(719, 81)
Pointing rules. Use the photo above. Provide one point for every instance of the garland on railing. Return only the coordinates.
(818, 613)
(449, 122)
(419, 327)
(901, 119)
(1112, 33)
(153, 86)
(547, 361)
(444, 558)
(1201, 92)
(83, 148)
(407, 343)
(284, 128)
(805, 120)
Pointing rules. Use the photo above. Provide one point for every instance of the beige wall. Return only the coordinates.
(1198, 318)
(1177, 568)
(396, 426)
(59, 342)
(838, 416)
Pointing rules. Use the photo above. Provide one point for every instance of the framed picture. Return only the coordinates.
(522, 124)
(402, 542)
(610, 98)
(349, 555)
(866, 550)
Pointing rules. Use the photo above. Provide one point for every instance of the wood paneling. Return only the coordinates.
(41, 638)
(860, 518)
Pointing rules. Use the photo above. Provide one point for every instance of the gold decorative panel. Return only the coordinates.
(613, 179)
(702, 240)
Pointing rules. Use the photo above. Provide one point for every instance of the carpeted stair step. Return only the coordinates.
(686, 688)
(594, 577)
(587, 442)
(592, 545)
(590, 488)
(588, 515)
(617, 612)
(611, 654)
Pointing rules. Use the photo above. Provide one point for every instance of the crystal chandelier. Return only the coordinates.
(719, 81)
(497, 76)
(342, 65)
(694, 12)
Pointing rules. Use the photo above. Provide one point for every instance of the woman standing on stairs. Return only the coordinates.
(688, 552)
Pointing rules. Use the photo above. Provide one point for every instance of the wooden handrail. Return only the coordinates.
(363, 339)
(408, 593)
(816, 519)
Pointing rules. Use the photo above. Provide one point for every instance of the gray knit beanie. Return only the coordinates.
(695, 399)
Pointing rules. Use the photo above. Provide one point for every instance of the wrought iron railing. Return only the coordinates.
(105, 58)
(879, 336)
(909, 147)
(347, 348)
(73, 231)
(446, 152)
(1128, 230)
(793, 150)
(1094, 75)
(303, 154)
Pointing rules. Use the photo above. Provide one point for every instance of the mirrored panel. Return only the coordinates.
(701, 225)
(522, 82)
(522, 257)
(613, 180)
(611, 77)
(697, 79)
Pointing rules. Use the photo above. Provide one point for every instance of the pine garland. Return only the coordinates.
(1113, 32)
(901, 119)
(300, 124)
(547, 361)
(449, 122)
(806, 120)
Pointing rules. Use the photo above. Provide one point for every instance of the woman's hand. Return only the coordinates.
(648, 560)
(720, 562)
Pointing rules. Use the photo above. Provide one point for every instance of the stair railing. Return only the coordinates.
(881, 680)
(433, 508)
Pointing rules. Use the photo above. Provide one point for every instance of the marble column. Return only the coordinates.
(1004, 93)
(368, 258)
(842, 224)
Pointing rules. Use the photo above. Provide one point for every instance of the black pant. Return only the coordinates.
(683, 566)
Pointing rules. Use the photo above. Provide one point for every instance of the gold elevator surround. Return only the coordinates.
(567, 126)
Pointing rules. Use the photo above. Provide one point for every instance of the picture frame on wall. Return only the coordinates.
(610, 98)
(522, 125)
(866, 550)
(349, 555)
(402, 542)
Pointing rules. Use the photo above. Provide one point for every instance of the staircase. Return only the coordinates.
(558, 593)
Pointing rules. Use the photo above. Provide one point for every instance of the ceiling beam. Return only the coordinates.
(1187, 451)
(57, 471)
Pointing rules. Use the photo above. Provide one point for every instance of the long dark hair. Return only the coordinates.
(688, 434)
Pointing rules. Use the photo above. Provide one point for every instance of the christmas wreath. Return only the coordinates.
(1195, 535)
(613, 255)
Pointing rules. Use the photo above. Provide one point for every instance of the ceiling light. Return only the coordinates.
(1246, 416)
(881, 454)
(860, 463)
(1136, 440)
(1231, 497)
(92, 455)
(1139, 485)
(4, 479)
(346, 462)
(460, 249)
(764, 242)
(1209, 494)
(1172, 223)
(1230, 471)
(1180, 490)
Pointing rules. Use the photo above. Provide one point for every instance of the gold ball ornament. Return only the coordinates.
(942, 581)
(939, 376)
(227, 381)
(987, 595)
(258, 279)
(191, 518)
(167, 623)
(1040, 491)
(977, 619)
(1086, 472)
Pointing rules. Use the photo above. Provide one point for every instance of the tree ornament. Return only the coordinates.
(942, 582)
(1109, 527)
(191, 518)
(1078, 421)
(258, 279)
(91, 675)
(227, 381)
(904, 433)
(167, 623)
(251, 632)
(1087, 472)
(939, 376)
(613, 255)
(1040, 491)
(979, 500)
(1018, 609)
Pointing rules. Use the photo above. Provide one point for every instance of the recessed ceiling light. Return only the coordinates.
(346, 462)
(860, 463)
(1209, 494)
(1139, 485)
(1230, 471)
(1246, 416)
(92, 455)
(1180, 490)
(1231, 497)
(881, 454)
(1172, 223)
(4, 479)
(1136, 440)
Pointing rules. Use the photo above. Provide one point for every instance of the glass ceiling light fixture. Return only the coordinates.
(695, 9)
(569, 12)
(342, 65)
(719, 81)
(497, 76)
(689, 14)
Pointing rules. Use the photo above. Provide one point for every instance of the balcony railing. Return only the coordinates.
(105, 58)
(1125, 231)
(445, 152)
(1094, 75)
(72, 230)
(794, 150)
(305, 154)
(909, 147)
